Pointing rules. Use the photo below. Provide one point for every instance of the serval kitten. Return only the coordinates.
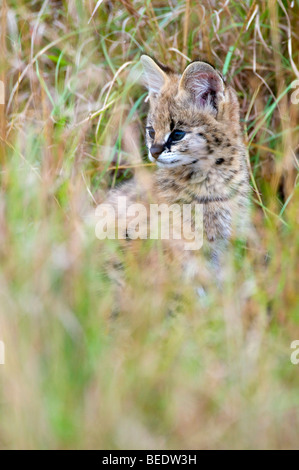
(193, 135)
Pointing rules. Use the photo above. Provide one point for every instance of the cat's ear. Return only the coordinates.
(153, 76)
(204, 84)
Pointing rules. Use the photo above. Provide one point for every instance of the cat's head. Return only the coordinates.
(193, 118)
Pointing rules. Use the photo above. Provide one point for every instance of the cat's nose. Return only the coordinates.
(156, 150)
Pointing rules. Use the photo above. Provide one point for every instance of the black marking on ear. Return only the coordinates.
(219, 161)
(163, 67)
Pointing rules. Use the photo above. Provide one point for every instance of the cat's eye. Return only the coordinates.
(151, 132)
(177, 135)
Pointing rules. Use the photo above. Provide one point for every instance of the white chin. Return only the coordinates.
(163, 162)
(173, 162)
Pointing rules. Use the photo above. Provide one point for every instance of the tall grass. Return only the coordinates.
(167, 371)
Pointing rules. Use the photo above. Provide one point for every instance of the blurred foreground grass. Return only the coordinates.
(211, 375)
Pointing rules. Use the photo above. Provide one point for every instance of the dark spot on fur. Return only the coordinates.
(170, 184)
(228, 178)
(219, 161)
(182, 124)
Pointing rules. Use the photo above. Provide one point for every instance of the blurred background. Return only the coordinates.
(161, 370)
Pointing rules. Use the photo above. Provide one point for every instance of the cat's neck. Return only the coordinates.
(186, 185)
